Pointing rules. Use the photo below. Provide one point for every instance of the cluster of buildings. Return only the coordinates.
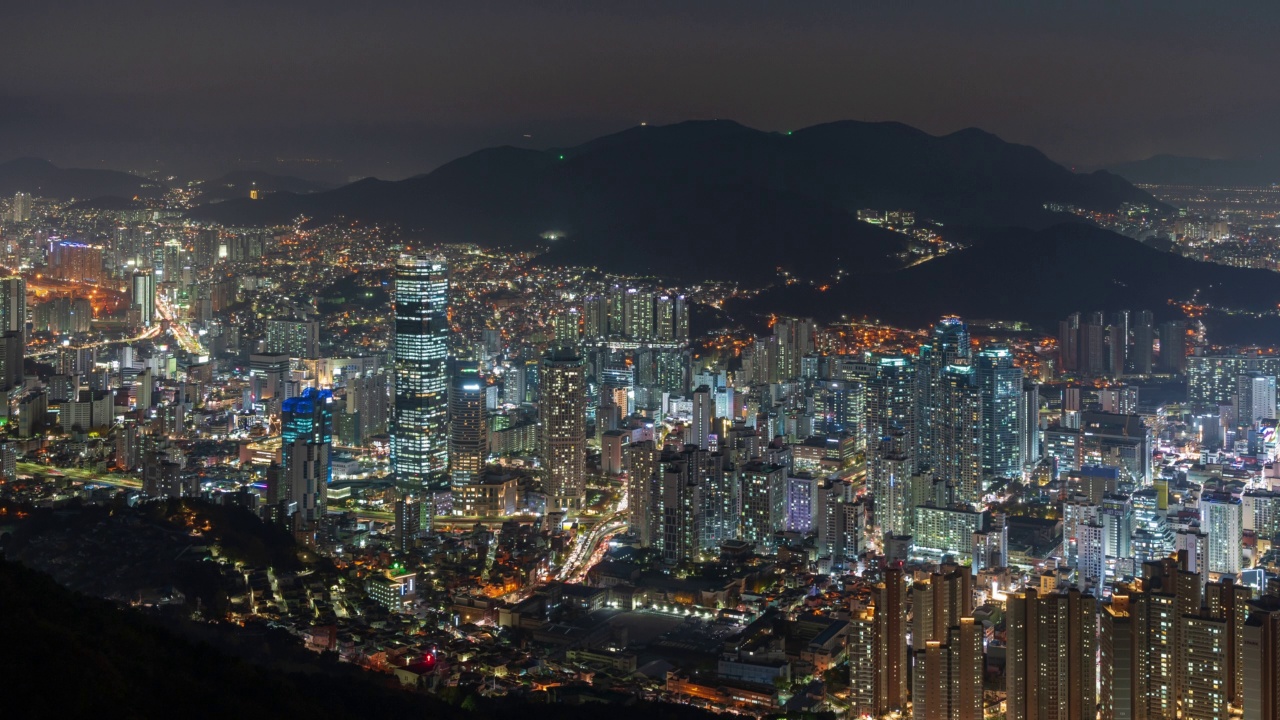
(950, 522)
(1119, 345)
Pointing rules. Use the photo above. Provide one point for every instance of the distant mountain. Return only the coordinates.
(1040, 277)
(712, 198)
(109, 202)
(238, 183)
(42, 178)
(1260, 170)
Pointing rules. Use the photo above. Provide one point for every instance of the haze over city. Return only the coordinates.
(394, 89)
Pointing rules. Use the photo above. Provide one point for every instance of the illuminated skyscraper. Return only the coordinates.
(638, 307)
(1230, 603)
(468, 433)
(1173, 347)
(1222, 517)
(1051, 670)
(947, 682)
(306, 434)
(891, 483)
(842, 405)
(595, 311)
(1000, 386)
(1260, 659)
(958, 430)
(704, 409)
(1142, 641)
(949, 345)
(1092, 350)
(891, 675)
(795, 338)
(1255, 398)
(419, 437)
(11, 353)
(562, 407)
(1029, 423)
(891, 415)
(144, 297)
(1144, 331)
(13, 306)
(408, 522)
(1174, 647)
(862, 661)
(664, 318)
(1069, 343)
(682, 319)
(75, 261)
(643, 491)
(269, 376)
(565, 325)
(21, 207)
(946, 643)
(295, 338)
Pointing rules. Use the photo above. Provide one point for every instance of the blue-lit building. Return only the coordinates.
(1000, 385)
(306, 435)
(948, 345)
(419, 424)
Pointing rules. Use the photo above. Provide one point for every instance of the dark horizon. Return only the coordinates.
(326, 89)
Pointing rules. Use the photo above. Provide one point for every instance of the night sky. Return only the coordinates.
(396, 88)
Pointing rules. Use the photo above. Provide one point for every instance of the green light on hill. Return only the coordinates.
(561, 157)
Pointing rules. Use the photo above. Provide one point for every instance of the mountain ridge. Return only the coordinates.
(42, 178)
(237, 183)
(1167, 169)
(622, 198)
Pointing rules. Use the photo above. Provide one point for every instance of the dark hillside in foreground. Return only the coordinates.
(70, 656)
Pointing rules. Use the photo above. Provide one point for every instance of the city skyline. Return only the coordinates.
(695, 360)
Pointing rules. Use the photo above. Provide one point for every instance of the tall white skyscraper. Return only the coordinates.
(419, 427)
(891, 425)
(1029, 422)
(948, 345)
(1084, 534)
(1222, 519)
(1000, 384)
(1255, 398)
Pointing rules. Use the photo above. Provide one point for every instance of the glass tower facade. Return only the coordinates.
(306, 434)
(948, 345)
(419, 427)
(1001, 385)
(468, 434)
